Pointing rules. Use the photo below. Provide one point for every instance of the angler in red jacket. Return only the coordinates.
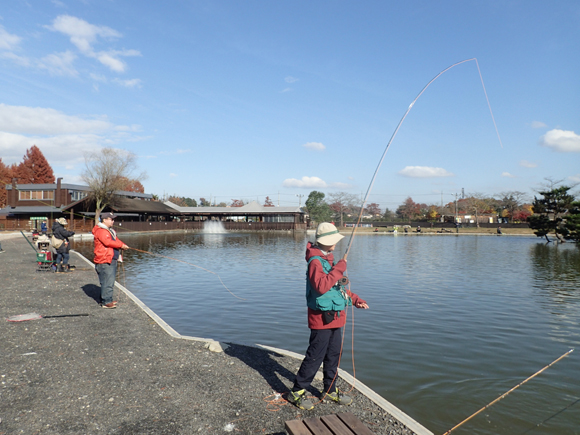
(327, 299)
(107, 254)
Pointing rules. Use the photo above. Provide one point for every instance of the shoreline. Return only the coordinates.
(355, 383)
(61, 375)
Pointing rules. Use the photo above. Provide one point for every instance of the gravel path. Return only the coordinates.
(118, 372)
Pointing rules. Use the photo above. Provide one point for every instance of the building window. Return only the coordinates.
(77, 195)
(278, 218)
(35, 194)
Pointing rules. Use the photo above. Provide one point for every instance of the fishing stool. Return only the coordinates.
(344, 423)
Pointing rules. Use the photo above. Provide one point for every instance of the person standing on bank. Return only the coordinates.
(327, 299)
(62, 252)
(107, 254)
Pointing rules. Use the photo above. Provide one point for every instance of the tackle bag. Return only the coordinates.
(56, 243)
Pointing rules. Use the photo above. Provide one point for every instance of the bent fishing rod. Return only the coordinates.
(397, 130)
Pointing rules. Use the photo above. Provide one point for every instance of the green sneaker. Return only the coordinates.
(298, 398)
(339, 398)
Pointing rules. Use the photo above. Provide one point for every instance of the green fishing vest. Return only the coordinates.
(335, 299)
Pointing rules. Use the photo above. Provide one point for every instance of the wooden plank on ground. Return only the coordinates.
(296, 427)
(354, 423)
(316, 426)
(336, 425)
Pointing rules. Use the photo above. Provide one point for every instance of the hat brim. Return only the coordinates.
(330, 240)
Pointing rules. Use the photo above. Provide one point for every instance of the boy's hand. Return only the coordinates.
(362, 305)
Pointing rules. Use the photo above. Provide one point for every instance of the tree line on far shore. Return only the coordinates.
(556, 211)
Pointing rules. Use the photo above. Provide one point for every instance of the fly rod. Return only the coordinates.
(397, 130)
(506, 393)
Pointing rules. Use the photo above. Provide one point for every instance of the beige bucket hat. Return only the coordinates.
(62, 221)
(327, 234)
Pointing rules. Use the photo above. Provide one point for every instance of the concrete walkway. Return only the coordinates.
(124, 371)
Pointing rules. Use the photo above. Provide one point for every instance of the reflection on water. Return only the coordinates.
(454, 321)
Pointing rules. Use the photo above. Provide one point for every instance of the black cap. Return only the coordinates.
(108, 215)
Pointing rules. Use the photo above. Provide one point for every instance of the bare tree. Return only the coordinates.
(106, 172)
(511, 202)
(341, 203)
(479, 204)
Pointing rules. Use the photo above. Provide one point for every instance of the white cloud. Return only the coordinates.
(317, 146)
(66, 149)
(527, 164)
(561, 140)
(290, 79)
(538, 124)
(8, 41)
(39, 120)
(60, 64)
(286, 90)
(305, 182)
(424, 172)
(132, 83)
(507, 175)
(172, 175)
(112, 62)
(574, 178)
(84, 35)
(62, 138)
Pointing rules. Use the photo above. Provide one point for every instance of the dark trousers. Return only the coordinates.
(324, 348)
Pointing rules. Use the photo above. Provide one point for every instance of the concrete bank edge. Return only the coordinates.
(362, 388)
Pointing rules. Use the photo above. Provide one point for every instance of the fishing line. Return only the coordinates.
(191, 264)
(397, 130)
(508, 392)
(552, 416)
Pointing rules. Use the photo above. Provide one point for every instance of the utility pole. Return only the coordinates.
(299, 199)
(456, 223)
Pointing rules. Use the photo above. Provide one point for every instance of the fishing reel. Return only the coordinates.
(343, 281)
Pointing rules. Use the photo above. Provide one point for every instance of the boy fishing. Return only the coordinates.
(327, 299)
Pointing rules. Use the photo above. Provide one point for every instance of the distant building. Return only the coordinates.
(30, 204)
(251, 212)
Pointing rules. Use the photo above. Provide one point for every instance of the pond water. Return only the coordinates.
(454, 321)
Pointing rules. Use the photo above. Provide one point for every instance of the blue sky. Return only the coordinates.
(248, 99)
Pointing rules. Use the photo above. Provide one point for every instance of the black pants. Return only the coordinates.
(324, 348)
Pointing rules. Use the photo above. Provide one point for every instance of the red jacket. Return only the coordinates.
(321, 282)
(104, 245)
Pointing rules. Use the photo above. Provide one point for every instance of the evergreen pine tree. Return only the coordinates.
(549, 212)
(573, 222)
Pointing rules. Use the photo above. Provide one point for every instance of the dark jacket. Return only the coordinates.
(61, 233)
